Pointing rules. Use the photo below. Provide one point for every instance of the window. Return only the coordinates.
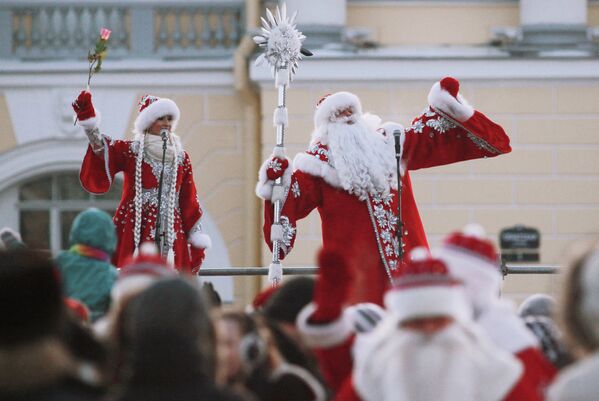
(47, 206)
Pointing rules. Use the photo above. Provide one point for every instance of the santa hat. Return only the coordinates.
(139, 272)
(152, 108)
(473, 259)
(330, 104)
(425, 289)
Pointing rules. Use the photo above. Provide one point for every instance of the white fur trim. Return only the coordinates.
(276, 232)
(279, 151)
(338, 101)
(458, 108)
(200, 240)
(280, 116)
(91, 122)
(275, 273)
(264, 187)
(282, 77)
(130, 285)
(159, 108)
(323, 335)
(505, 328)
(429, 300)
(314, 166)
(482, 279)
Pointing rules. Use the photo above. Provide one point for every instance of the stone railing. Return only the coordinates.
(44, 30)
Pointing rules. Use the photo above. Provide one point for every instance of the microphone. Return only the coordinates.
(397, 135)
(164, 134)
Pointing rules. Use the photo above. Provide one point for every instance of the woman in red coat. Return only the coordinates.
(140, 161)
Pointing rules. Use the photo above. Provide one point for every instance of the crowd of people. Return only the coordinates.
(120, 315)
(148, 332)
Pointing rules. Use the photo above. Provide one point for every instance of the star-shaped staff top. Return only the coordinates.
(281, 41)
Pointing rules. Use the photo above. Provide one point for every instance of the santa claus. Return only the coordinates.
(140, 160)
(473, 259)
(349, 174)
(426, 346)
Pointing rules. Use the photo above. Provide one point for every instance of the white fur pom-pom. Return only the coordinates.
(200, 240)
(474, 230)
(280, 116)
(275, 274)
(419, 254)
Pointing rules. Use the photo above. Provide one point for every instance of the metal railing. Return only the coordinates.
(37, 30)
(263, 271)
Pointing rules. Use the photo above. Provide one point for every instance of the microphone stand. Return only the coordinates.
(399, 233)
(159, 235)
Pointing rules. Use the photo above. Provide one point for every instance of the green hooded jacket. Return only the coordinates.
(84, 278)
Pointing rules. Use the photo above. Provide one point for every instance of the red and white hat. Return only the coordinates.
(473, 259)
(139, 272)
(329, 104)
(152, 108)
(425, 289)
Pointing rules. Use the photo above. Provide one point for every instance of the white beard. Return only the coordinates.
(364, 162)
(451, 365)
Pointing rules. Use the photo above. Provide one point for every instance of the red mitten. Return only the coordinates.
(332, 286)
(276, 168)
(451, 85)
(83, 106)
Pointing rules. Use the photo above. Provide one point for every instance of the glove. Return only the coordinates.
(451, 85)
(276, 167)
(332, 286)
(83, 106)
(444, 96)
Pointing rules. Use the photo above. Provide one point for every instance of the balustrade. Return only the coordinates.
(67, 29)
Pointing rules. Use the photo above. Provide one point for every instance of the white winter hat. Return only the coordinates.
(152, 108)
(329, 104)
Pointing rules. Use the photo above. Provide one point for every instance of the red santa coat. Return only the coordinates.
(366, 229)
(97, 174)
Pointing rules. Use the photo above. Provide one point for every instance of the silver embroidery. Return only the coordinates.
(295, 189)
(288, 231)
(275, 165)
(481, 143)
(418, 126)
(318, 150)
(441, 124)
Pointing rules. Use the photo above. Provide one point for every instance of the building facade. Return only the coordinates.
(531, 65)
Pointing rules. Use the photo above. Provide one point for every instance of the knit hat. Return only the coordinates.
(152, 108)
(425, 288)
(472, 258)
(538, 305)
(31, 302)
(10, 239)
(139, 272)
(330, 104)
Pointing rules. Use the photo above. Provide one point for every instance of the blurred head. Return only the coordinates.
(231, 327)
(94, 228)
(538, 305)
(171, 327)
(581, 301)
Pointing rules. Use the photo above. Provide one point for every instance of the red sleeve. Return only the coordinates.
(191, 211)
(347, 392)
(303, 196)
(98, 170)
(336, 363)
(436, 139)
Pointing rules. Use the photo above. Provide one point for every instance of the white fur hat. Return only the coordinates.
(328, 105)
(152, 108)
(425, 288)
